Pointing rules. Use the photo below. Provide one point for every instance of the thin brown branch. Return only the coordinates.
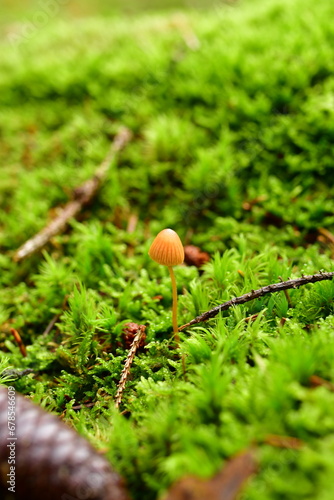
(81, 197)
(255, 294)
(126, 370)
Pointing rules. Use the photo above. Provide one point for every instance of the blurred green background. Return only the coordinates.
(15, 13)
(22, 10)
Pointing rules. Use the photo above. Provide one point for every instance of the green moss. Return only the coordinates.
(232, 147)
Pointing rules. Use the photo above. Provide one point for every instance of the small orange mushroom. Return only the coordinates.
(167, 250)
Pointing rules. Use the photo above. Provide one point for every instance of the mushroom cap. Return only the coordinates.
(167, 248)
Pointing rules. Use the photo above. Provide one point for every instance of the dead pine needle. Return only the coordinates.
(19, 342)
(129, 360)
(82, 195)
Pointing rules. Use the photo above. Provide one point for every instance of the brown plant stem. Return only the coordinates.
(255, 294)
(82, 196)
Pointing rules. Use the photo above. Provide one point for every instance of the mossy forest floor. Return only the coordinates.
(232, 115)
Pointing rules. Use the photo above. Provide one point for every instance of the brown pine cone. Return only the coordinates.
(51, 460)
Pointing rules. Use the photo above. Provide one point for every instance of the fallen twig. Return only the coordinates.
(81, 197)
(255, 294)
(126, 370)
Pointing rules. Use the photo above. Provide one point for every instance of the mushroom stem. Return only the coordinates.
(174, 290)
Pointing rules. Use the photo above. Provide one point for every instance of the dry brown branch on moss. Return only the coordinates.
(255, 294)
(81, 197)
